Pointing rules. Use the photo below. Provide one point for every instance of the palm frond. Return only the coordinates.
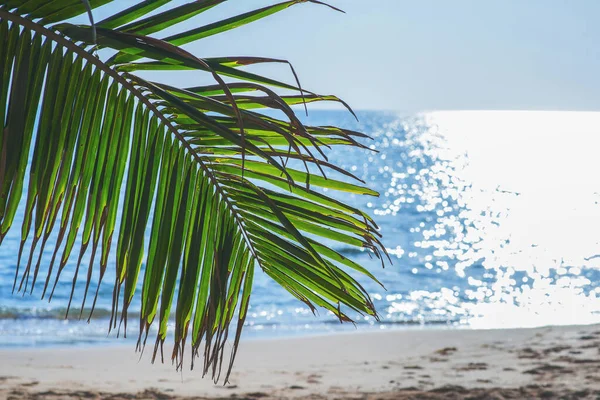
(202, 170)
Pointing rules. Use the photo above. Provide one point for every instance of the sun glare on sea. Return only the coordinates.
(526, 187)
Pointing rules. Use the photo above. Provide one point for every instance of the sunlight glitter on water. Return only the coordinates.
(514, 192)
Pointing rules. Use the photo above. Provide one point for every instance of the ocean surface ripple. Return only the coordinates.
(490, 217)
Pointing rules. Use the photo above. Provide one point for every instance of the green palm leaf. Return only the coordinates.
(201, 170)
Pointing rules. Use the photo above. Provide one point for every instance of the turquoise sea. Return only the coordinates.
(491, 218)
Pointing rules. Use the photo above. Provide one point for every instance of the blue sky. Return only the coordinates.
(427, 54)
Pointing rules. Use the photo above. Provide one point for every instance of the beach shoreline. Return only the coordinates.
(550, 362)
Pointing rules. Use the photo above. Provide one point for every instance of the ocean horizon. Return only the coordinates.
(490, 219)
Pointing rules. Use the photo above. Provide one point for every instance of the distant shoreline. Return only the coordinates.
(447, 363)
(24, 342)
(250, 334)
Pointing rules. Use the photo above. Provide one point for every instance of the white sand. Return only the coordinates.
(336, 366)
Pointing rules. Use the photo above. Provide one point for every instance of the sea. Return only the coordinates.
(491, 220)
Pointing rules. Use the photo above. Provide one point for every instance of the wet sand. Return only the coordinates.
(549, 362)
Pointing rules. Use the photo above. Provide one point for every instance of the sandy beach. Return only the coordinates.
(549, 362)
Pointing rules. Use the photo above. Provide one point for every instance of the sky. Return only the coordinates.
(426, 55)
